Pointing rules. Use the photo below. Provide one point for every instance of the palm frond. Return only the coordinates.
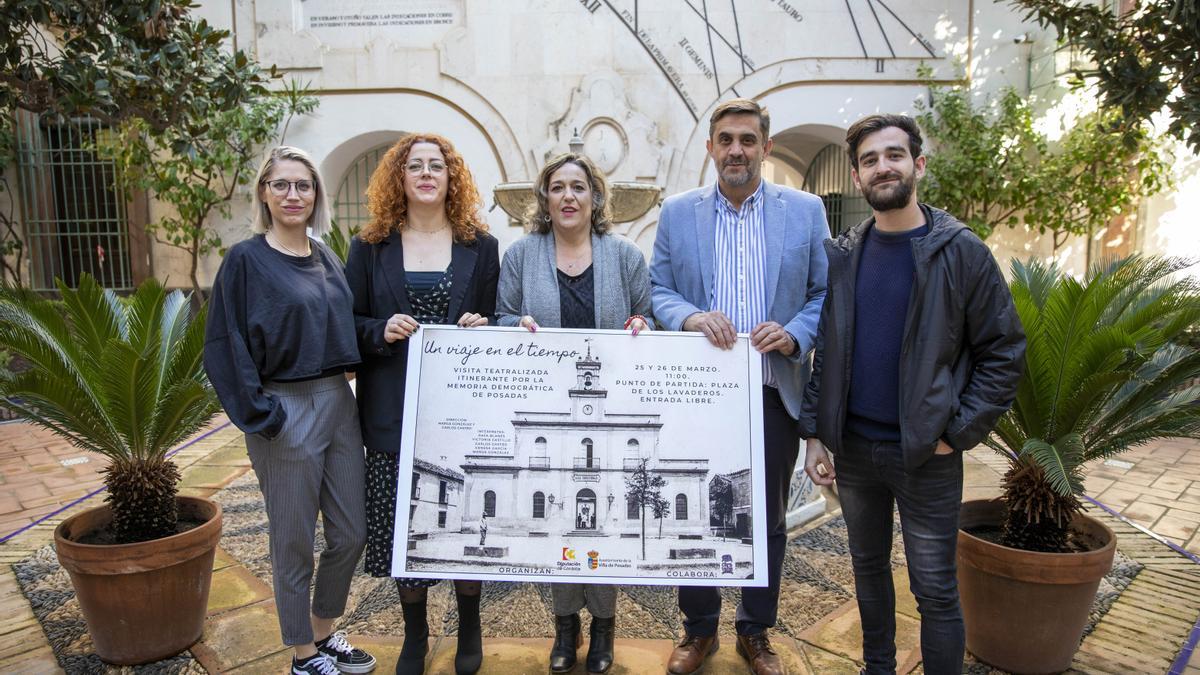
(183, 409)
(129, 389)
(1102, 373)
(172, 329)
(187, 353)
(34, 329)
(144, 311)
(119, 377)
(55, 403)
(1061, 462)
(92, 328)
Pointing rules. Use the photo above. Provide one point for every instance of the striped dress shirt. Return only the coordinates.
(739, 287)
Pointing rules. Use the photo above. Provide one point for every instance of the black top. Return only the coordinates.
(429, 294)
(278, 317)
(577, 299)
(961, 368)
(881, 294)
(375, 273)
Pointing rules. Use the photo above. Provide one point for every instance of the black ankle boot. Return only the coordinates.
(416, 639)
(567, 639)
(600, 645)
(469, 656)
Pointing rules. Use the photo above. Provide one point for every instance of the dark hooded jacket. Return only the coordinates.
(963, 348)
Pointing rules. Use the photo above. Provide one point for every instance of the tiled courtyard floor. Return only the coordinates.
(1158, 489)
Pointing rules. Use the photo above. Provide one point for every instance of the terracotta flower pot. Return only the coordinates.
(147, 601)
(1025, 611)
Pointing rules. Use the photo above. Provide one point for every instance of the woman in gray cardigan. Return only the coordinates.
(571, 272)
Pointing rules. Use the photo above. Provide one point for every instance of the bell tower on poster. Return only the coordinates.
(588, 395)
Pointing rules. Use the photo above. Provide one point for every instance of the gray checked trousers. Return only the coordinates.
(600, 599)
(314, 465)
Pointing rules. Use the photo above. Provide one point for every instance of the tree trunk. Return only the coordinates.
(643, 533)
(197, 294)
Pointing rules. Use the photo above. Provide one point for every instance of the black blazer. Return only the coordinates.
(375, 273)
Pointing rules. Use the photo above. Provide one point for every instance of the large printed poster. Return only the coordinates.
(581, 456)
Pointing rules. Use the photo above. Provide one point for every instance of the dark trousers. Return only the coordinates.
(701, 605)
(870, 477)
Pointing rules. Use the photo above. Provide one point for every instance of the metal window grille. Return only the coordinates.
(71, 203)
(681, 507)
(829, 178)
(350, 204)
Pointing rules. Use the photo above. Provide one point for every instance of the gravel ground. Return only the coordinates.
(816, 580)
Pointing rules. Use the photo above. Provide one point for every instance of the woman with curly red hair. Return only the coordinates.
(425, 257)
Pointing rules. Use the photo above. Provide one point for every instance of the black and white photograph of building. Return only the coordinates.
(600, 479)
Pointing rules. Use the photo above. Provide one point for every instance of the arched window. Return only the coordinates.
(539, 446)
(489, 504)
(829, 178)
(350, 201)
(632, 512)
(632, 447)
(587, 453)
(539, 505)
(681, 507)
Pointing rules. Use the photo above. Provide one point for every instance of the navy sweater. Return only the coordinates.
(881, 296)
(276, 317)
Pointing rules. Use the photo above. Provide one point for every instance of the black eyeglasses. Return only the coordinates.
(281, 187)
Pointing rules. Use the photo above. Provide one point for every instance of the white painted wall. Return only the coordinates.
(508, 81)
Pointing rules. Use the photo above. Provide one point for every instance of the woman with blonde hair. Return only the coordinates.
(279, 339)
(424, 257)
(571, 271)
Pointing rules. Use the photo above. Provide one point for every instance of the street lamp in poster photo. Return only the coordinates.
(581, 456)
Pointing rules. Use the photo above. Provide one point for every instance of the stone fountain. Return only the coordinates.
(630, 200)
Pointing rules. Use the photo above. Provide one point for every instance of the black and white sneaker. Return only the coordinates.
(344, 655)
(317, 664)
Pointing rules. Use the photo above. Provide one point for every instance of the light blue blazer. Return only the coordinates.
(682, 267)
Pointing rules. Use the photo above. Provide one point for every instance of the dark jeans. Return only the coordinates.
(701, 605)
(870, 477)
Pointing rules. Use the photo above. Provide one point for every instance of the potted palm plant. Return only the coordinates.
(123, 377)
(1105, 370)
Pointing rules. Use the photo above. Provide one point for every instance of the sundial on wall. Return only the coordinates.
(704, 47)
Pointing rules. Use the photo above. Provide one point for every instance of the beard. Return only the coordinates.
(737, 175)
(895, 197)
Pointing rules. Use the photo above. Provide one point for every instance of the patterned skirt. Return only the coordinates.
(383, 469)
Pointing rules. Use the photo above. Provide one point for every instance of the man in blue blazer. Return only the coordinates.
(745, 256)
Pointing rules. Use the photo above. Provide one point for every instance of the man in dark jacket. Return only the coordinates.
(918, 353)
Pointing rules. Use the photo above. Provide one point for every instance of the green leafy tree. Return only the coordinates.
(661, 508)
(146, 60)
(118, 376)
(1143, 62)
(991, 167)
(1107, 368)
(198, 166)
(187, 115)
(644, 487)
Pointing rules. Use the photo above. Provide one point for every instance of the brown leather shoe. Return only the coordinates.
(689, 656)
(757, 650)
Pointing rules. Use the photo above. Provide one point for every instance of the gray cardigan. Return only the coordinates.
(529, 282)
